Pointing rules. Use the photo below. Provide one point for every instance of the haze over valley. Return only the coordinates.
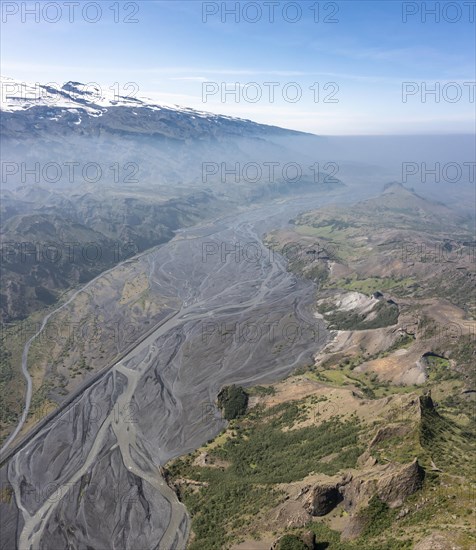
(237, 323)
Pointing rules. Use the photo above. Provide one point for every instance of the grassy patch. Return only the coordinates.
(260, 449)
(337, 237)
(377, 517)
(262, 390)
(370, 285)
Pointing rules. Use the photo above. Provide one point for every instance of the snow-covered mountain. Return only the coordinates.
(83, 108)
(20, 96)
(42, 124)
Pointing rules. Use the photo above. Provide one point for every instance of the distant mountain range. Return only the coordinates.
(82, 109)
(148, 143)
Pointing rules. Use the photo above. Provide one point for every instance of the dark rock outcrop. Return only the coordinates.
(357, 490)
(389, 432)
(392, 484)
(396, 487)
(323, 499)
(426, 402)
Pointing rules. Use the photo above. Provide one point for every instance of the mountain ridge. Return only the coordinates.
(71, 104)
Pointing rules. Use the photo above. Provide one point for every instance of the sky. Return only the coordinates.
(330, 68)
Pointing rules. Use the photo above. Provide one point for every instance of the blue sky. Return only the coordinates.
(174, 52)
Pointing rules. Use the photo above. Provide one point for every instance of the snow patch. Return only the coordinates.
(76, 97)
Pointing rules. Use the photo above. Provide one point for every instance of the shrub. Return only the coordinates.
(291, 542)
(233, 400)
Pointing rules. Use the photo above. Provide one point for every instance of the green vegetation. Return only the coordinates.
(330, 540)
(335, 236)
(370, 241)
(377, 517)
(221, 511)
(39, 401)
(264, 454)
(369, 285)
(258, 454)
(438, 368)
(238, 490)
(335, 376)
(6, 371)
(317, 272)
(386, 315)
(7, 412)
(450, 446)
(291, 542)
(262, 390)
(462, 351)
(340, 371)
(233, 400)
(458, 289)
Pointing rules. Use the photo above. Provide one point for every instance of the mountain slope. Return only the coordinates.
(370, 445)
(85, 109)
(70, 135)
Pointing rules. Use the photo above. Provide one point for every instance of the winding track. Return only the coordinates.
(26, 349)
